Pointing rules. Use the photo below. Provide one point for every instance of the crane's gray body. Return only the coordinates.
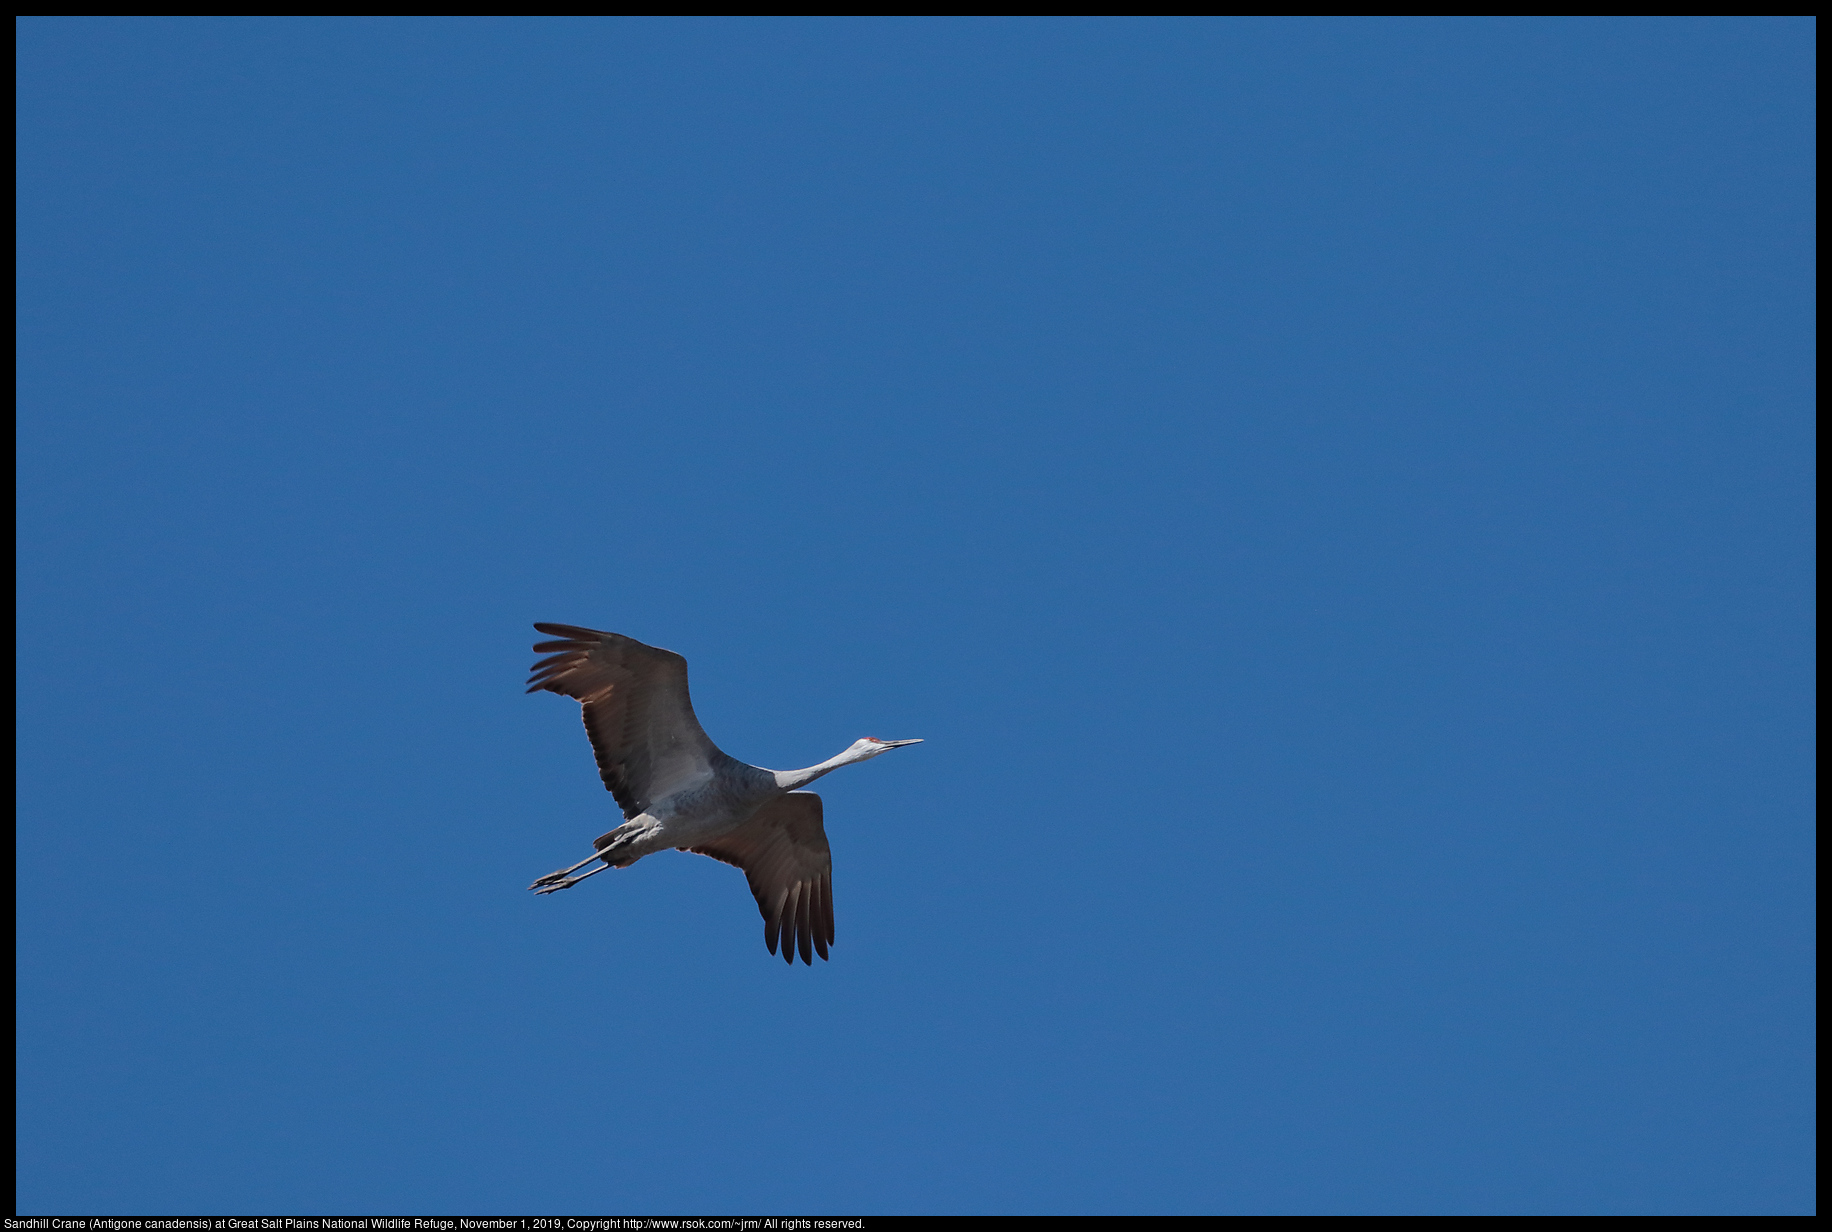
(703, 809)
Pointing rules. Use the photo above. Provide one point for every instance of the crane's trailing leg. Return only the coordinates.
(544, 886)
(551, 878)
(622, 836)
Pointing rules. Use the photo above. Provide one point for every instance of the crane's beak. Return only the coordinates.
(897, 744)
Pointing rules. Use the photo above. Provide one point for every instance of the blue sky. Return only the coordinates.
(1334, 496)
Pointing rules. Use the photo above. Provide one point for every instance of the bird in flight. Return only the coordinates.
(678, 789)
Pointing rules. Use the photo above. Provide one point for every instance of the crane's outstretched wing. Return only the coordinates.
(783, 852)
(637, 712)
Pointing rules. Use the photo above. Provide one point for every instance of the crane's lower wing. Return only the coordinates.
(784, 854)
(637, 712)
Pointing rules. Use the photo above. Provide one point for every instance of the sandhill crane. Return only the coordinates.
(677, 789)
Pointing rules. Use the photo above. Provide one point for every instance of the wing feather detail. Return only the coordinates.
(784, 854)
(638, 714)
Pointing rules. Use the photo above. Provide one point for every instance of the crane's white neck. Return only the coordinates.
(863, 750)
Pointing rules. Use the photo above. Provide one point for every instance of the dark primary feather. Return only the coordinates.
(784, 854)
(637, 711)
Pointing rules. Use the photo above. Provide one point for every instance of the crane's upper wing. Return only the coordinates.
(783, 852)
(637, 711)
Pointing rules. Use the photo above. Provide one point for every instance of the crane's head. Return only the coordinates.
(871, 746)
